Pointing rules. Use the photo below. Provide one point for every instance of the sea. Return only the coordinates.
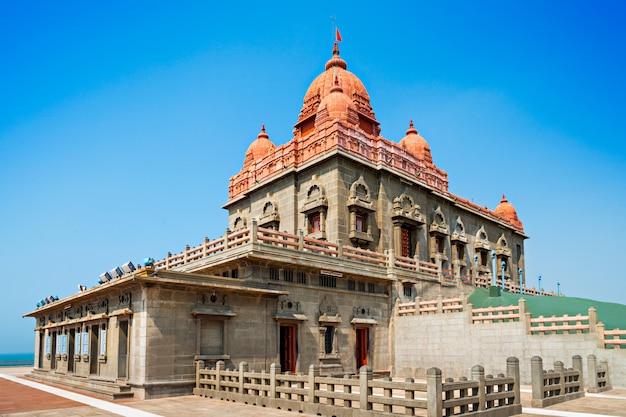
(17, 359)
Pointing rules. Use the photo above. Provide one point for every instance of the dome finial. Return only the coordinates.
(412, 129)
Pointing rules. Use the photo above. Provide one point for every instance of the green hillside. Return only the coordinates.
(613, 315)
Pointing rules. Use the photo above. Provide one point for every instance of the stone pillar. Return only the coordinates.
(243, 369)
(440, 303)
(300, 240)
(226, 233)
(478, 374)
(536, 377)
(199, 367)
(592, 371)
(204, 247)
(512, 371)
(254, 231)
(434, 391)
(559, 369)
(600, 335)
(274, 370)
(577, 364)
(220, 366)
(339, 248)
(365, 391)
(314, 372)
(409, 395)
(593, 319)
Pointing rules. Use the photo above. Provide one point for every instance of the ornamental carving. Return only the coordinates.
(213, 298)
(404, 210)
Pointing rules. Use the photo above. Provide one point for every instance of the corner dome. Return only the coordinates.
(416, 145)
(321, 87)
(260, 148)
(508, 213)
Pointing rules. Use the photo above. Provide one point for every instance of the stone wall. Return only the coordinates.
(450, 342)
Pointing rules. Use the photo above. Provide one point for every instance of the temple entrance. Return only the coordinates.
(288, 348)
(362, 345)
(122, 349)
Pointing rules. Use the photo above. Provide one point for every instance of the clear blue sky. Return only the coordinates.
(121, 123)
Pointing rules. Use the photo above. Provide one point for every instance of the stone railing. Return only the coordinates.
(565, 324)
(557, 385)
(598, 375)
(615, 338)
(364, 396)
(440, 305)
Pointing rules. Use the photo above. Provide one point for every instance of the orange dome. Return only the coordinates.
(416, 145)
(337, 103)
(321, 87)
(508, 213)
(261, 147)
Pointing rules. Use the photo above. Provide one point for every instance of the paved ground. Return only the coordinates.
(24, 398)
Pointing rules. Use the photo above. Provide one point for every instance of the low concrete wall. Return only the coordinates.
(451, 342)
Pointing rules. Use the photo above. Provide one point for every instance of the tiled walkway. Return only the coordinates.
(23, 398)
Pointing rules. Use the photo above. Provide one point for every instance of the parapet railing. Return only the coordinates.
(364, 396)
(484, 281)
(557, 385)
(302, 243)
(496, 314)
(440, 305)
(541, 325)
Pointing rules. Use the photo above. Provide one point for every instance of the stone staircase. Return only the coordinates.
(98, 388)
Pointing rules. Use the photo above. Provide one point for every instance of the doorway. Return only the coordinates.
(362, 346)
(288, 348)
(122, 349)
(70, 351)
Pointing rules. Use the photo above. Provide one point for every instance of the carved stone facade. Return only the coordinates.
(325, 233)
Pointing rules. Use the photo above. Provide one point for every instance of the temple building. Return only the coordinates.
(325, 233)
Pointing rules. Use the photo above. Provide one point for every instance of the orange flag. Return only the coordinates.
(337, 35)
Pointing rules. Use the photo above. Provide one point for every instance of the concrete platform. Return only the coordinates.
(20, 397)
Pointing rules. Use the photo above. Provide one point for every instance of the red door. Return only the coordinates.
(288, 348)
(362, 338)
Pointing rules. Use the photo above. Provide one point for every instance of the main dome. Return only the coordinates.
(508, 213)
(336, 68)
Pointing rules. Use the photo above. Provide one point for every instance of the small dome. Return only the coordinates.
(508, 213)
(337, 103)
(261, 147)
(416, 145)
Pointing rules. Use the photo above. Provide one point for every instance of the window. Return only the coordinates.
(47, 345)
(59, 349)
(211, 336)
(329, 336)
(484, 258)
(301, 277)
(371, 287)
(361, 286)
(234, 273)
(460, 251)
(328, 281)
(408, 291)
(360, 222)
(315, 224)
(77, 342)
(85, 341)
(63, 350)
(288, 275)
(274, 274)
(351, 285)
(438, 244)
(103, 341)
(407, 246)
